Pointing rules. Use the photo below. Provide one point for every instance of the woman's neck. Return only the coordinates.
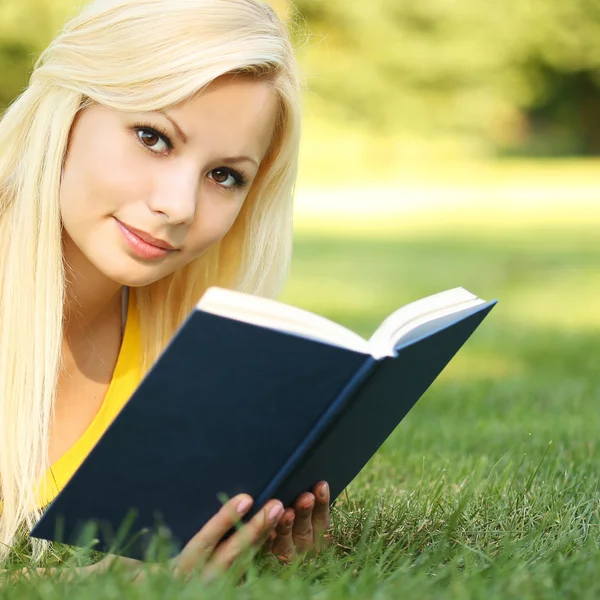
(92, 299)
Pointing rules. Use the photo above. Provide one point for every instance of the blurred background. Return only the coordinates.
(447, 143)
(398, 93)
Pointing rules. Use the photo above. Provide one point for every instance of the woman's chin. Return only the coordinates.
(137, 276)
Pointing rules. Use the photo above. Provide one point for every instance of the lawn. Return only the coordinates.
(490, 486)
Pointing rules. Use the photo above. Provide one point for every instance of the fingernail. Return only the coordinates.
(275, 512)
(290, 522)
(243, 506)
(324, 490)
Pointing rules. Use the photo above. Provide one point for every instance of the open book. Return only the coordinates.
(394, 329)
(258, 397)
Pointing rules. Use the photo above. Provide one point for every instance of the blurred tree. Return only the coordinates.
(512, 72)
(26, 27)
(564, 53)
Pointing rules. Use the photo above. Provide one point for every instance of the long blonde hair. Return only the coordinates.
(130, 55)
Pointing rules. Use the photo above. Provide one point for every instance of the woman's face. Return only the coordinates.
(178, 176)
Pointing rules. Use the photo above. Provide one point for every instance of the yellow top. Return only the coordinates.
(125, 379)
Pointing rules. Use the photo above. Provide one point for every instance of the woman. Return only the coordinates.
(153, 154)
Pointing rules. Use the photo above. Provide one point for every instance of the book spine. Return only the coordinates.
(319, 429)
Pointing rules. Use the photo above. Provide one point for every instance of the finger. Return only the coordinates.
(246, 540)
(302, 532)
(198, 550)
(283, 546)
(321, 518)
(268, 545)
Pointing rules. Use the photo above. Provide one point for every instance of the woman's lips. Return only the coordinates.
(141, 247)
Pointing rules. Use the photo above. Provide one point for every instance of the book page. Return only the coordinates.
(415, 314)
(272, 314)
(276, 315)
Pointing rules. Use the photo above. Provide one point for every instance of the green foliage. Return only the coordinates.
(512, 72)
(26, 27)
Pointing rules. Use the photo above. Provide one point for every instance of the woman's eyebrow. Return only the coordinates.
(238, 159)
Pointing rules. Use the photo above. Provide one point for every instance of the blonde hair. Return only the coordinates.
(130, 55)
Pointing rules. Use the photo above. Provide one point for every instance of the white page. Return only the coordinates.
(385, 346)
(416, 313)
(276, 315)
(280, 316)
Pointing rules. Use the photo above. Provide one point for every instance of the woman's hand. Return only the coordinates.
(287, 534)
(302, 528)
(206, 553)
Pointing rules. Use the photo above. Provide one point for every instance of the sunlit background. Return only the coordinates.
(450, 143)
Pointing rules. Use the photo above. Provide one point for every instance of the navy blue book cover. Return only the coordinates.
(231, 407)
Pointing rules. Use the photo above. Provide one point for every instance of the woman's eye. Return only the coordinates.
(225, 178)
(153, 140)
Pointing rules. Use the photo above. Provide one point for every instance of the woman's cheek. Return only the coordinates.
(211, 227)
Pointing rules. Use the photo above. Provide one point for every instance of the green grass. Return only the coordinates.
(490, 487)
